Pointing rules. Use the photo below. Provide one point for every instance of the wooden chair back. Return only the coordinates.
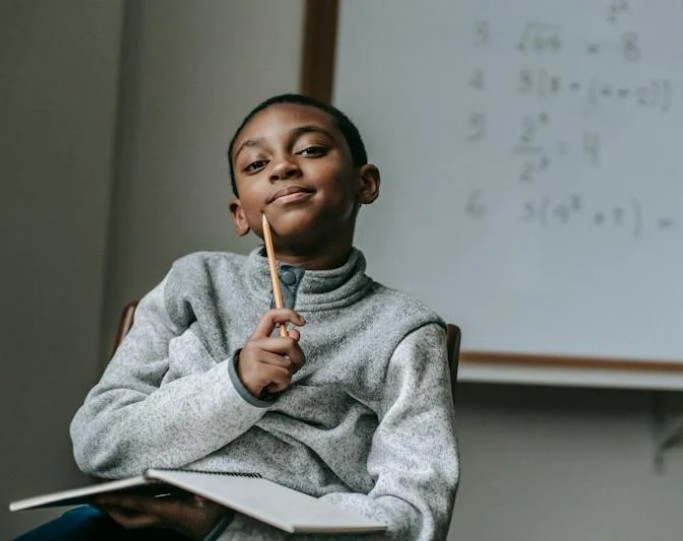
(125, 323)
(453, 345)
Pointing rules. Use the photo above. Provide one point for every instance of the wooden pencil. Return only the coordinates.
(277, 292)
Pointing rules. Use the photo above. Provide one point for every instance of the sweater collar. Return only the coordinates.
(318, 289)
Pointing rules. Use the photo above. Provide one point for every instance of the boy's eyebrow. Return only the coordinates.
(295, 133)
(311, 128)
(248, 143)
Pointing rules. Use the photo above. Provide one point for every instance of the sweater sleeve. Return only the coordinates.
(130, 421)
(414, 453)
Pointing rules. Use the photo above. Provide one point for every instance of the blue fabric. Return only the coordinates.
(90, 524)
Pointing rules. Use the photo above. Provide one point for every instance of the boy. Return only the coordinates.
(355, 407)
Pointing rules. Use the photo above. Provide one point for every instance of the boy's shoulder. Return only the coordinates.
(398, 304)
(194, 280)
(208, 257)
(207, 262)
(193, 272)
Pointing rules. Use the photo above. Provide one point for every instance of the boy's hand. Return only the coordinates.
(267, 363)
(192, 516)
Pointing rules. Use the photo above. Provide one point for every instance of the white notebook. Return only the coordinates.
(264, 500)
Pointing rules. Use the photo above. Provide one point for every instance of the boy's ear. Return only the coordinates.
(239, 218)
(369, 184)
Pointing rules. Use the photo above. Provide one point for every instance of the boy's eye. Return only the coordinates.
(313, 150)
(254, 166)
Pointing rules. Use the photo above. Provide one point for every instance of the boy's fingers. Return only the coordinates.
(297, 358)
(129, 518)
(275, 388)
(278, 378)
(274, 317)
(272, 344)
(123, 500)
(290, 363)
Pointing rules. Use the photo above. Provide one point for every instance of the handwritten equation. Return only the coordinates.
(628, 216)
(573, 113)
(655, 94)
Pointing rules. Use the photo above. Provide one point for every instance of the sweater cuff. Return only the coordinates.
(243, 391)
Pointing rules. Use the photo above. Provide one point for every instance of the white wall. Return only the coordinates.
(58, 80)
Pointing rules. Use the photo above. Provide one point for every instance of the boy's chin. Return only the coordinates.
(303, 239)
(303, 227)
(292, 223)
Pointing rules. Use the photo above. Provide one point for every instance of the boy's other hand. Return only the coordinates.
(267, 363)
(191, 516)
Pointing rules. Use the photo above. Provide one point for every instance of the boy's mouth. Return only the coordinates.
(290, 192)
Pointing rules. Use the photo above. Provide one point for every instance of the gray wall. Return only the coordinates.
(84, 231)
(539, 464)
(189, 76)
(563, 464)
(58, 80)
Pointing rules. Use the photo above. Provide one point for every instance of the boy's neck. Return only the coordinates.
(323, 260)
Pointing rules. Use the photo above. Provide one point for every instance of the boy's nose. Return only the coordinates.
(284, 169)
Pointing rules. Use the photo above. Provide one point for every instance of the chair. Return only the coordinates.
(453, 347)
(452, 339)
(125, 323)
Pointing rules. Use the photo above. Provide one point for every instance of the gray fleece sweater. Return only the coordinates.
(367, 423)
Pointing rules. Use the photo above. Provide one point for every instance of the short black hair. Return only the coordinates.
(346, 127)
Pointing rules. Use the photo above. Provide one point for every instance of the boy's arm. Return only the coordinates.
(414, 452)
(129, 422)
(413, 456)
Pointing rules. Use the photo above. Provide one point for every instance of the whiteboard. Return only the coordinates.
(532, 173)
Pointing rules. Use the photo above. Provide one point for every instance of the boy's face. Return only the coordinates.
(292, 163)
